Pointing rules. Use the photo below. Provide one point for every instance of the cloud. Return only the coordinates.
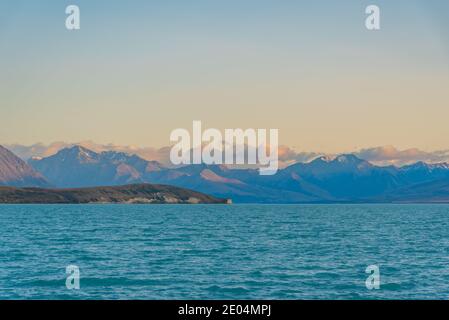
(36, 150)
(288, 156)
(389, 155)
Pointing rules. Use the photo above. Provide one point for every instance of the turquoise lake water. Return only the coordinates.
(224, 252)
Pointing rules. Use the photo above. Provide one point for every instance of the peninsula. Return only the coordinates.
(128, 194)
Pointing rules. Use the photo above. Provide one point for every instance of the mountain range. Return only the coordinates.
(345, 178)
(80, 167)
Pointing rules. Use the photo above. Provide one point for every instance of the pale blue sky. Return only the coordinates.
(138, 69)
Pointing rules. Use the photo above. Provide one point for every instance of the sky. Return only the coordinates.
(139, 69)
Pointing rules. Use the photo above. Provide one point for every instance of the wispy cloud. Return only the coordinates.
(288, 156)
(389, 155)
